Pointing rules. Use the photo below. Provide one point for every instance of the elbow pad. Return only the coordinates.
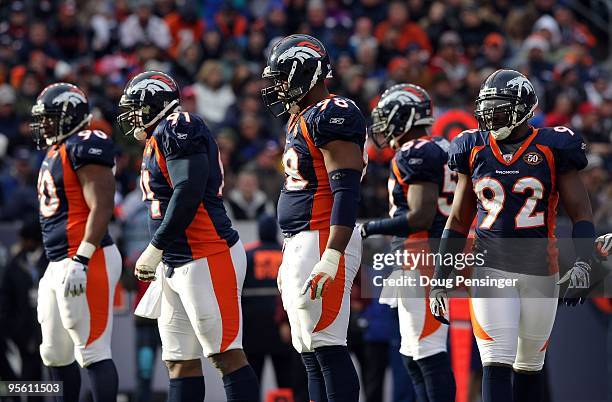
(345, 187)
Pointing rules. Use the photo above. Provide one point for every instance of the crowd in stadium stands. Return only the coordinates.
(216, 50)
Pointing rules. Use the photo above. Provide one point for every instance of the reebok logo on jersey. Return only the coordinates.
(533, 158)
(337, 120)
(94, 151)
(507, 172)
(415, 161)
(181, 136)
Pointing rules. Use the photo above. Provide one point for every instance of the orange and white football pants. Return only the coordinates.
(78, 327)
(200, 310)
(512, 325)
(321, 322)
(421, 334)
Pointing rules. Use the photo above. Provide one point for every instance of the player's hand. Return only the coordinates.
(322, 274)
(579, 282)
(603, 245)
(438, 302)
(363, 230)
(75, 280)
(147, 263)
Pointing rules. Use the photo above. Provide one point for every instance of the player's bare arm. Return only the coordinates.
(574, 197)
(463, 209)
(422, 198)
(453, 240)
(576, 201)
(98, 184)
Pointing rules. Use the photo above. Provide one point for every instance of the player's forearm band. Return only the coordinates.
(345, 186)
(451, 242)
(583, 235)
(397, 226)
(85, 251)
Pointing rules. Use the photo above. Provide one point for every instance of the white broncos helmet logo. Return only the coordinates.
(299, 52)
(521, 83)
(74, 98)
(151, 85)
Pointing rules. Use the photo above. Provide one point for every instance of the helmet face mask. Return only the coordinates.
(506, 100)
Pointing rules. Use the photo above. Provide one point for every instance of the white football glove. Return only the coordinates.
(603, 245)
(438, 302)
(322, 274)
(75, 280)
(147, 263)
(578, 276)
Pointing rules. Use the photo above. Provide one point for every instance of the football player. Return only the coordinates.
(76, 186)
(323, 162)
(511, 176)
(420, 195)
(200, 281)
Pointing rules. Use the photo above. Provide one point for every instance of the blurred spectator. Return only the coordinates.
(20, 198)
(230, 23)
(9, 122)
(474, 29)
(247, 201)
(103, 26)
(144, 27)
(38, 40)
(449, 59)
(69, 34)
(398, 21)
(185, 28)
(213, 94)
(266, 168)
(18, 289)
(493, 52)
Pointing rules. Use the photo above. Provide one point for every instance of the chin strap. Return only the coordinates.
(140, 133)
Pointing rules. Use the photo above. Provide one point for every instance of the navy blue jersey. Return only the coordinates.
(306, 200)
(422, 160)
(181, 135)
(517, 193)
(63, 211)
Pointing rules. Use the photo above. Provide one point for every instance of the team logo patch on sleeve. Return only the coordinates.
(533, 158)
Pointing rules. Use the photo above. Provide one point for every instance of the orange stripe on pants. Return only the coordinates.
(97, 295)
(223, 276)
(332, 301)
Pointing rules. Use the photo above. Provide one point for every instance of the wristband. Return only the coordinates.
(330, 259)
(397, 226)
(85, 250)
